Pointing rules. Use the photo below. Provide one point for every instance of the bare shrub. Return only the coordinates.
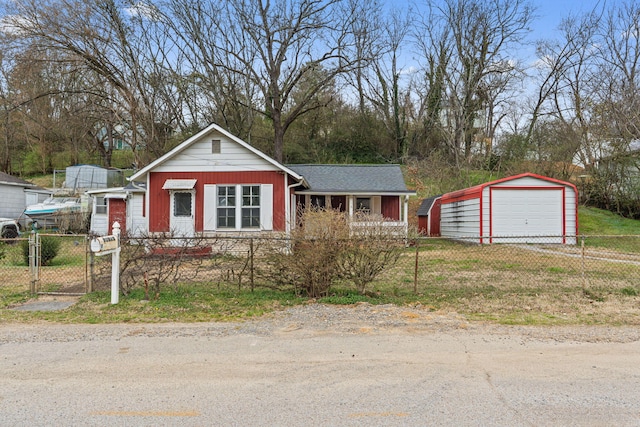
(159, 259)
(365, 256)
(324, 251)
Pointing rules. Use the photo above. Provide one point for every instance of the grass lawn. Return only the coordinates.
(497, 283)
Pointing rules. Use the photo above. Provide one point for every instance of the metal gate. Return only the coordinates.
(58, 264)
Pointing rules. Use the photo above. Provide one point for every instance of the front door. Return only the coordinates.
(182, 220)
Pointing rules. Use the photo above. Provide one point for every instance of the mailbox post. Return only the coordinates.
(106, 245)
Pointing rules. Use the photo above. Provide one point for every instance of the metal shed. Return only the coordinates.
(526, 208)
(90, 176)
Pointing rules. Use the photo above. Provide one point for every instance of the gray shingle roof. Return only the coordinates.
(426, 204)
(10, 179)
(353, 178)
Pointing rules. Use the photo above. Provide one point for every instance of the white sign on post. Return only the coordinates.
(106, 245)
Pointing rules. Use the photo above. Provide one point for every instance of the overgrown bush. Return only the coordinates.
(326, 250)
(49, 248)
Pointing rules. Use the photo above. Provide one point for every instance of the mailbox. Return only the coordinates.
(104, 245)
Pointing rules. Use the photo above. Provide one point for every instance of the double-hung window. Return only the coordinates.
(229, 206)
(238, 207)
(101, 205)
(226, 202)
(250, 206)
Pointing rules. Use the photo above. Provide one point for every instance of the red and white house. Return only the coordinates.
(214, 182)
(525, 208)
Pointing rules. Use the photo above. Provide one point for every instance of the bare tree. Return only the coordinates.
(115, 41)
(269, 47)
(386, 94)
(481, 36)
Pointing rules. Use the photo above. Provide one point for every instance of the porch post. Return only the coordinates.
(350, 203)
(406, 211)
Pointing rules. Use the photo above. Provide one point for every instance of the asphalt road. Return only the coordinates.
(207, 374)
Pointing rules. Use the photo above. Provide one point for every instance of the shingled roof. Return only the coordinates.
(5, 178)
(426, 205)
(352, 179)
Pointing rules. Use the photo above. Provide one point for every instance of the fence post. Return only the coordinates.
(92, 273)
(115, 266)
(34, 260)
(415, 271)
(584, 274)
(251, 263)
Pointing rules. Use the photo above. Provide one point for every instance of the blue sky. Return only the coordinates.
(549, 15)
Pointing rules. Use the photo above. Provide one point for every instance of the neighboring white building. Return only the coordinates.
(123, 204)
(16, 194)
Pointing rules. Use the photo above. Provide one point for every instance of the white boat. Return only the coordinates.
(53, 211)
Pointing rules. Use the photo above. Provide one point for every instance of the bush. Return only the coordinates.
(49, 248)
(326, 250)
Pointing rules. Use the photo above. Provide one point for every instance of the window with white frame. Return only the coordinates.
(238, 207)
(250, 206)
(101, 205)
(226, 203)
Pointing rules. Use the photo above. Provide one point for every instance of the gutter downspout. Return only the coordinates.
(287, 204)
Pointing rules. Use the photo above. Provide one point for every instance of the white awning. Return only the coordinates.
(115, 196)
(179, 184)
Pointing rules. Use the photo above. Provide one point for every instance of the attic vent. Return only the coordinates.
(215, 146)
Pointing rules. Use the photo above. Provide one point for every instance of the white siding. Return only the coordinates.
(460, 219)
(99, 222)
(13, 201)
(233, 157)
(545, 221)
(136, 221)
(509, 208)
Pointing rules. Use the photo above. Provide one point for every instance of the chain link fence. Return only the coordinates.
(46, 263)
(594, 262)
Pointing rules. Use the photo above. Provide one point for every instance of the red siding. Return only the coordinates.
(434, 218)
(391, 207)
(159, 199)
(429, 225)
(118, 212)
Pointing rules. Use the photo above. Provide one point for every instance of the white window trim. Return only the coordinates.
(210, 212)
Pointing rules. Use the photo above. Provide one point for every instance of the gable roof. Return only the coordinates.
(195, 138)
(5, 178)
(426, 205)
(350, 179)
(478, 188)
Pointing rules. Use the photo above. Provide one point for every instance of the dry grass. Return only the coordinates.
(510, 284)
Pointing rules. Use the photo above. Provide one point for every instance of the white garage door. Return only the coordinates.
(527, 213)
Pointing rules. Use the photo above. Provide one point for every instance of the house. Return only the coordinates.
(525, 208)
(214, 182)
(361, 191)
(17, 194)
(123, 204)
